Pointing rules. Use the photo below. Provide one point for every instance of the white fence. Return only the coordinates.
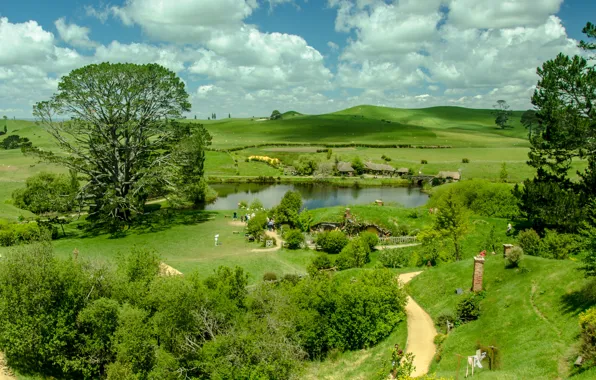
(397, 240)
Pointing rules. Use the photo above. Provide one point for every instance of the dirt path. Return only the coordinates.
(272, 234)
(5, 373)
(421, 332)
(166, 270)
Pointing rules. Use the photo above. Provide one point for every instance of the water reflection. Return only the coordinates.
(313, 195)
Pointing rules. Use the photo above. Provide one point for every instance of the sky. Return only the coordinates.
(249, 57)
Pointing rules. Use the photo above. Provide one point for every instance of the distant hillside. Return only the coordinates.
(454, 126)
(290, 114)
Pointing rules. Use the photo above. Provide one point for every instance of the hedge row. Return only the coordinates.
(332, 145)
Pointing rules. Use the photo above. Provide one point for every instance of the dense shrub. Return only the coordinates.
(128, 322)
(370, 239)
(358, 165)
(269, 276)
(47, 192)
(514, 257)
(199, 192)
(423, 162)
(358, 251)
(395, 258)
(257, 224)
(442, 319)
(18, 233)
(482, 197)
(587, 322)
(385, 158)
(294, 239)
(288, 209)
(465, 160)
(559, 246)
(468, 308)
(530, 242)
(306, 165)
(332, 241)
(321, 261)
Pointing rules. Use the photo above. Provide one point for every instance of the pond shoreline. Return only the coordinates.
(332, 181)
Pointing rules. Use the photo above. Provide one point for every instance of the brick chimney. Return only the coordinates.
(478, 274)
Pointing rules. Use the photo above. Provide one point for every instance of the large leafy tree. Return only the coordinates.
(565, 99)
(118, 134)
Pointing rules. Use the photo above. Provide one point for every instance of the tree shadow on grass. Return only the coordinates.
(167, 218)
(579, 300)
(156, 219)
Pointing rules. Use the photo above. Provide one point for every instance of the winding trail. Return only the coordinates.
(421, 332)
(277, 238)
(5, 373)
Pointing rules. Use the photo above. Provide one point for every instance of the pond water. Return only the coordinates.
(313, 195)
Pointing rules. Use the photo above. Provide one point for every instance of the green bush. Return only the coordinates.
(468, 308)
(423, 162)
(306, 165)
(442, 319)
(559, 246)
(514, 257)
(269, 276)
(587, 322)
(257, 224)
(256, 204)
(288, 209)
(321, 261)
(358, 251)
(395, 258)
(370, 239)
(465, 160)
(332, 241)
(18, 233)
(530, 242)
(47, 192)
(294, 239)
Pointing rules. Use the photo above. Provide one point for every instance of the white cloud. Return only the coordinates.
(187, 21)
(474, 47)
(24, 43)
(74, 34)
(487, 14)
(333, 46)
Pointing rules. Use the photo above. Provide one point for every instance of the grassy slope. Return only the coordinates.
(431, 126)
(531, 317)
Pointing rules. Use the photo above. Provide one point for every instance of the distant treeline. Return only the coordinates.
(332, 145)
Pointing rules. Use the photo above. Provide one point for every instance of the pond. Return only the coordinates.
(313, 195)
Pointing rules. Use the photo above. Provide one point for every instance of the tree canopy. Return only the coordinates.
(564, 99)
(120, 135)
(502, 114)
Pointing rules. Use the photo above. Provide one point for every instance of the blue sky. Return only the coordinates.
(247, 57)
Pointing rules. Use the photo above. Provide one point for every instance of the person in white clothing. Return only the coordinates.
(216, 237)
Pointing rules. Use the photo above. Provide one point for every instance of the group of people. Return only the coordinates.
(245, 218)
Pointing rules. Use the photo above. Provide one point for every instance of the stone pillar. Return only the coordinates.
(478, 273)
(506, 249)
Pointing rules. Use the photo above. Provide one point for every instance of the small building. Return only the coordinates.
(402, 171)
(345, 168)
(449, 176)
(382, 169)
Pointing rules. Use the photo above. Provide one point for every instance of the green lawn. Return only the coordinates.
(531, 317)
(186, 242)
